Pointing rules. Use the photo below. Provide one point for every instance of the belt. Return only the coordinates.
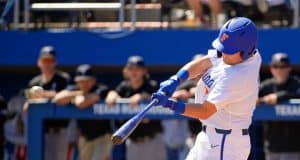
(224, 131)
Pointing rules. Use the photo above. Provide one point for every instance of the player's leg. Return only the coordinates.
(216, 144)
(236, 146)
(134, 150)
(196, 6)
(85, 148)
(193, 152)
(200, 149)
(102, 147)
(56, 145)
(156, 148)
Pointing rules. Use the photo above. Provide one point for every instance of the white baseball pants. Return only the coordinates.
(218, 144)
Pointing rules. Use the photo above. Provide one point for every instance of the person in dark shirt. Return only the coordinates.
(281, 138)
(3, 108)
(51, 81)
(146, 141)
(94, 141)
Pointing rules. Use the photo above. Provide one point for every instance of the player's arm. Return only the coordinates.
(195, 110)
(49, 93)
(66, 96)
(112, 97)
(199, 111)
(37, 92)
(223, 94)
(197, 66)
(84, 101)
(188, 71)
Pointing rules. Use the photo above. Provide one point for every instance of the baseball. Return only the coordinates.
(36, 89)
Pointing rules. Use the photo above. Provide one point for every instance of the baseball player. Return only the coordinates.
(225, 95)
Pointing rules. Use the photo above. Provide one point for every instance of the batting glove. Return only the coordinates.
(178, 107)
(169, 86)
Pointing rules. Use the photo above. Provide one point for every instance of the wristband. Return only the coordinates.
(177, 107)
(182, 75)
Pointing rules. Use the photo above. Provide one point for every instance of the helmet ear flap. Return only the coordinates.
(249, 54)
(219, 54)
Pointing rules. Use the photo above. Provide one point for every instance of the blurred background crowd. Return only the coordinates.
(37, 14)
(84, 85)
(153, 139)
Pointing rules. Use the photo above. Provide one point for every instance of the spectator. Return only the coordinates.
(282, 138)
(40, 18)
(52, 81)
(146, 141)
(3, 108)
(277, 13)
(94, 141)
(218, 17)
(14, 128)
(242, 8)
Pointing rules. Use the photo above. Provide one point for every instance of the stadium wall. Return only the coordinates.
(159, 47)
(164, 51)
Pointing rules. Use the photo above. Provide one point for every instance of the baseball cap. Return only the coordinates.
(280, 59)
(47, 51)
(84, 72)
(135, 61)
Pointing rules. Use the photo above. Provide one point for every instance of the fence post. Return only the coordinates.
(121, 14)
(16, 14)
(26, 13)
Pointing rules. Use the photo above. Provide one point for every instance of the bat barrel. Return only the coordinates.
(126, 129)
(117, 140)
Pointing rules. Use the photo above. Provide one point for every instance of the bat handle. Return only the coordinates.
(155, 101)
(152, 103)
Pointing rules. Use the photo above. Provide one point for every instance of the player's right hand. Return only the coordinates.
(169, 86)
(163, 100)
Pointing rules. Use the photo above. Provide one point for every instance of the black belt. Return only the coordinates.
(224, 131)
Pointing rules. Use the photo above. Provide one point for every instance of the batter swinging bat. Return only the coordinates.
(127, 128)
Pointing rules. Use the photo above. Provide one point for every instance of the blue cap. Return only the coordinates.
(237, 35)
(280, 59)
(84, 72)
(135, 61)
(47, 51)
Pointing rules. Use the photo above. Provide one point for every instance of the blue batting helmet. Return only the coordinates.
(237, 35)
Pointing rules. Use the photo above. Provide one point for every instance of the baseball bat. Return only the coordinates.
(127, 128)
